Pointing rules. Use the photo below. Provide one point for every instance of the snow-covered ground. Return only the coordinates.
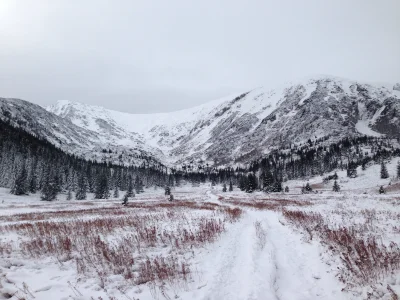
(281, 246)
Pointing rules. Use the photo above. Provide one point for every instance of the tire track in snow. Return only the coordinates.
(286, 268)
(299, 272)
(231, 279)
(242, 270)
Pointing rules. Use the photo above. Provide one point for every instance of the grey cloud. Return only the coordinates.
(148, 56)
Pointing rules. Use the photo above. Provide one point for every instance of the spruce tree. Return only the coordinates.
(243, 183)
(251, 183)
(230, 186)
(21, 186)
(384, 171)
(167, 191)
(33, 183)
(352, 171)
(130, 192)
(268, 182)
(336, 187)
(102, 187)
(277, 187)
(81, 188)
(49, 189)
(116, 190)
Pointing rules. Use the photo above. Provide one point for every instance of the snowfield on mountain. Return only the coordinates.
(232, 130)
(245, 126)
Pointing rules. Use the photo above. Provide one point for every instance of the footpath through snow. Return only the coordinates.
(245, 266)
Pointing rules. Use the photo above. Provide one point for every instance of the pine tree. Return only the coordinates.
(384, 171)
(277, 187)
(102, 187)
(335, 176)
(81, 188)
(21, 186)
(336, 187)
(138, 185)
(352, 171)
(167, 191)
(251, 183)
(116, 190)
(268, 182)
(130, 192)
(243, 182)
(230, 186)
(49, 189)
(224, 188)
(33, 184)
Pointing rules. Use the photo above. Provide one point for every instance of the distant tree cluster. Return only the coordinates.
(30, 165)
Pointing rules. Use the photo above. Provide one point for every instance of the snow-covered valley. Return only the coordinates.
(207, 244)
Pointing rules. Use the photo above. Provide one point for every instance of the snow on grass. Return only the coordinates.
(205, 245)
(106, 251)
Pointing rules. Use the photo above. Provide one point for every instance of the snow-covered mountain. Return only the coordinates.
(231, 130)
(73, 139)
(245, 126)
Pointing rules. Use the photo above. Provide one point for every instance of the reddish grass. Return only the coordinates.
(135, 230)
(365, 258)
(268, 204)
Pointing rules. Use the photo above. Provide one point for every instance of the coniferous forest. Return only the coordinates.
(30, 165)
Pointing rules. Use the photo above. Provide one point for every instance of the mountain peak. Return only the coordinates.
(247, 125)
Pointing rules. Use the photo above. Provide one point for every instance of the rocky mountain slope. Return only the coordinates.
(231, 130)
(69, 137)
(243, 127)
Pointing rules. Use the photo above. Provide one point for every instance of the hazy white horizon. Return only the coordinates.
(156, 56)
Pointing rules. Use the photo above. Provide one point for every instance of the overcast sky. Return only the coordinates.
(154, 56)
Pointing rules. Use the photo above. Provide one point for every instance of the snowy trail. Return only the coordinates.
(299, 271)
(237, 273)
(286, 268)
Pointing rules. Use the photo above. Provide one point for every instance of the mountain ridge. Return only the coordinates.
(227, 131)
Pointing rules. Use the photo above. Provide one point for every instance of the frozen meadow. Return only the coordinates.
(206, 244)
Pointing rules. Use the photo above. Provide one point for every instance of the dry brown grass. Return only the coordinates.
(120, 240)
(366, 260)
(268, 204)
